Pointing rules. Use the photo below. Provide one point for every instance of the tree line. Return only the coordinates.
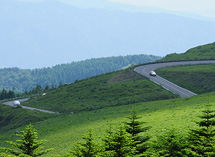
(4, 94)
(25, 79)
(131, 139)
(7, 94)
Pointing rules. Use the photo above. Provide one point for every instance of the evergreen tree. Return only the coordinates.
(170, 144)
(46, 88)
(108, 146)
(28, 144)
(11, 94)
(202, 139)
(88, 148)
(38, 88)
(119, 144)
(7, 95)
(134, 127)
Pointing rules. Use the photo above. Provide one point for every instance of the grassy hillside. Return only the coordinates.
(63, 130)
(114, 94)
(197, 78)
(113, 89)
(12, 118)
(198, 53)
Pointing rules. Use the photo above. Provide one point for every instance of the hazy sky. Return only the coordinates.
(201, 7)
(196, 7)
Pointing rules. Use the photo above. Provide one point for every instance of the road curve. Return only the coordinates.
(10, 103)
(146, 69)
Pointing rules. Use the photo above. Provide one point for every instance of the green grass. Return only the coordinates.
(64, 130)
(113, 89)
(203, 52)
(197, 78)
(114, 94)
(12, 118)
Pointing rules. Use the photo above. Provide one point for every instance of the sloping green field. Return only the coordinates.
(196, 78)
(203, 52)
(113, 89)
(113, 95)
(65, 129)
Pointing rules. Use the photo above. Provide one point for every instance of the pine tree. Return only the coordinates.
(46, 88)
(170, 144)
(28, 144)
(134, 127)
(88, 148)
(118, 144)
(202, 139)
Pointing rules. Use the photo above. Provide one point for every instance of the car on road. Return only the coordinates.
(16, 103)
(152, 73)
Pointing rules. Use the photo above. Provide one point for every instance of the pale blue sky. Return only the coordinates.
(181, 7)
(201, 7)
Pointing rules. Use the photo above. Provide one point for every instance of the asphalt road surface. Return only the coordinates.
(10, 103)
(146, 69)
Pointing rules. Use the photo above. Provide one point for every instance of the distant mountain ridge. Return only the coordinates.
(36, 35)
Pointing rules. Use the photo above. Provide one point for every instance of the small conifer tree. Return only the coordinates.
(28, 144)
(202, 139)
(118, 144)
(135, 127)
(88, 148)
(108, 141)
(168, 144)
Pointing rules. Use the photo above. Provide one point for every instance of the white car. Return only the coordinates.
(152, 73)
(16, 103)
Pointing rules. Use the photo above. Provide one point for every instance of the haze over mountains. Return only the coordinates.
(35, 35)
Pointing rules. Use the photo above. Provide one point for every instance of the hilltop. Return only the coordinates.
(197, 53)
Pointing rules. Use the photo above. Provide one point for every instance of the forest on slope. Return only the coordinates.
(21, 80)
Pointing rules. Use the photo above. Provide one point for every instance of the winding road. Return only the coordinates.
(146, 69)
(10, 103)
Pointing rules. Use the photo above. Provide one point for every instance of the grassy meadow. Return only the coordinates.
(62, 130)
(114, 95)
(196, 78)
(113, 89)
(203, 52)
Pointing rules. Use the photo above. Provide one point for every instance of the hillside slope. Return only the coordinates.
(113, 89)
(100, 101)
(21, 80)
(197, 53)
(196, 78)
(64, 130)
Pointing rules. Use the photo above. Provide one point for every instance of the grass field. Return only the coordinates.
(196, 78)
(113, 89)
(115, 94)
(63, 130)
(203, 52)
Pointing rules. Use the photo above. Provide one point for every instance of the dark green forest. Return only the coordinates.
(21, 80)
